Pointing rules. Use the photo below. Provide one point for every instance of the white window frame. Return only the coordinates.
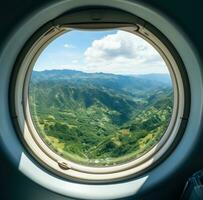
(74, 171)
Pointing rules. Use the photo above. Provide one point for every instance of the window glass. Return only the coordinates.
(100, 98)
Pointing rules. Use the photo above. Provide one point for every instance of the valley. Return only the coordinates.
(100, 119)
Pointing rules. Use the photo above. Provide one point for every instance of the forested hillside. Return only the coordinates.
(100, 119)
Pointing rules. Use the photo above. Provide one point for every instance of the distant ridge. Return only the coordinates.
(164, 78)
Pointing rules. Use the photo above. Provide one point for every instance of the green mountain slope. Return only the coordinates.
(99, 119)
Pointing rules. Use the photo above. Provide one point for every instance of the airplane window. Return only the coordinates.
(100, 98)
(98, 103)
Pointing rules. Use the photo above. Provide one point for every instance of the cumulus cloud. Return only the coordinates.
(124, 53)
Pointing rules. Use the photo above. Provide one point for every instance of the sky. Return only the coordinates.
(115, 51)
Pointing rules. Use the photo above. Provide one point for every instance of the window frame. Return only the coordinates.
(68, 169)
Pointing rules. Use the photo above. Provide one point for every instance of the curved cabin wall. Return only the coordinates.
(16, 186)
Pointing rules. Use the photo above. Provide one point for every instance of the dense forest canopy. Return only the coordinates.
(100, 119)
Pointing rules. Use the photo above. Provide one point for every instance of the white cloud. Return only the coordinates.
(69, 46)
(120, 53)
(124, 53)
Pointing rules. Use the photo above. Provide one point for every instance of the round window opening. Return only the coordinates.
(98, 102)
(100, 98)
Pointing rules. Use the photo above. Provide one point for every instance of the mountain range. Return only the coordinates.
(99, 118)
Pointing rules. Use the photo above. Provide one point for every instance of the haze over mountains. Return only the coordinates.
(66, 73)
(133, 83)
(92, 118)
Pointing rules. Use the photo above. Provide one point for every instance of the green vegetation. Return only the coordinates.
(100, 119)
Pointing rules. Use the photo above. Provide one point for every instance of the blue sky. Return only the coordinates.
(113, 51)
